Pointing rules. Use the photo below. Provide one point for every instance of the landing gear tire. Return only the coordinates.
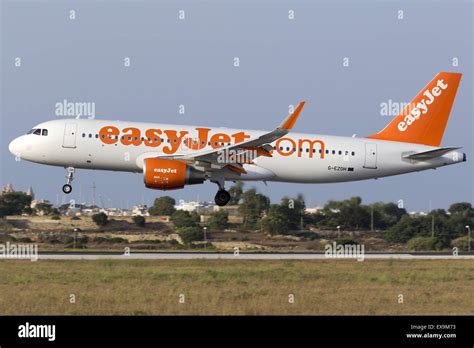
(69, 176)
(67, 189)
(222, 198)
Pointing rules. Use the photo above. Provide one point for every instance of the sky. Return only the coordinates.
(344, 58)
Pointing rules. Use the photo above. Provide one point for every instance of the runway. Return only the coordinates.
(245, 256)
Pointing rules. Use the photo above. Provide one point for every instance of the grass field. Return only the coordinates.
(237, 287)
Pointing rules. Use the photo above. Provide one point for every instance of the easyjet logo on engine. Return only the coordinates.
(165, 170)
(422, 107)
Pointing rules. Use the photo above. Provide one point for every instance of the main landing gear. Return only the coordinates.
(222, 196)
(69, 176)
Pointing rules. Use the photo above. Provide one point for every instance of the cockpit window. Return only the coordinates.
(45, 132)
(31, 131)
(37, 132)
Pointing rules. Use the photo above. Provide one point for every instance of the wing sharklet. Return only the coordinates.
(425, 155)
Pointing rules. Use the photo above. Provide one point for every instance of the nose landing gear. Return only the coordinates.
(67, 188)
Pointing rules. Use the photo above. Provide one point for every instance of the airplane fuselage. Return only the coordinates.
(296, 157)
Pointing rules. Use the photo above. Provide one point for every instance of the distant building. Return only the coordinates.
(417, 213)
(35, 202)
(140, 210)
(8, 188)
(198, 207)
(30, 193)
(230, 209)
(314, 210)
(113, 211)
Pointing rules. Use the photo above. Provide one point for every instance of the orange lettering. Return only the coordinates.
(132, 138)
(198, 144)
(239, 137)
(152, 137)
(175, 141)
(219, 138)
(108, 134)
(281, 151)
(311, 147)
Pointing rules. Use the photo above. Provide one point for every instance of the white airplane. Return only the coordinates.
(172, 156)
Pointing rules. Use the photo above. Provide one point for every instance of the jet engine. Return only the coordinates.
(169, 174)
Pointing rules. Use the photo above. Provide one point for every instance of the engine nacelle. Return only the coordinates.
(167, 174)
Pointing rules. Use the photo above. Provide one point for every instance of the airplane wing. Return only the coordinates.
(259, 146)
(426, 155)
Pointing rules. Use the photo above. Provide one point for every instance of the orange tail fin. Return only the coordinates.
(423, 120)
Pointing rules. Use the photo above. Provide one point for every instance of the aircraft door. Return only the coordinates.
(69, 139)
(370, 156)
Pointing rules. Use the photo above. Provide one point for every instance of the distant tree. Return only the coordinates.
(44, 208)
(196, 217)
(190, 234)
(100, 219)
(219, 220)
(236, 192)
(252, 207)
(139, 220)
(182, 218)
(349, 213)
(163, 205)
(425, 244)
(386, 214)
(14, 203)
(294, 210)
(284, 217)
(462, 208)
(276, 221)
(409, 227)
(462, 243)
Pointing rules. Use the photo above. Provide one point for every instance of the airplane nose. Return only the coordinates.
(13, 147)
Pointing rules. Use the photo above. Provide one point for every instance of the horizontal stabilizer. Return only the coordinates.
(426, 155)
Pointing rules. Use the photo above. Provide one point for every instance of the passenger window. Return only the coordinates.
(44, 132)
(37, 132)
(333, 152)
(90, 135)
(353, 153)
(83, 135)
(340, 152)
(96, 136)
